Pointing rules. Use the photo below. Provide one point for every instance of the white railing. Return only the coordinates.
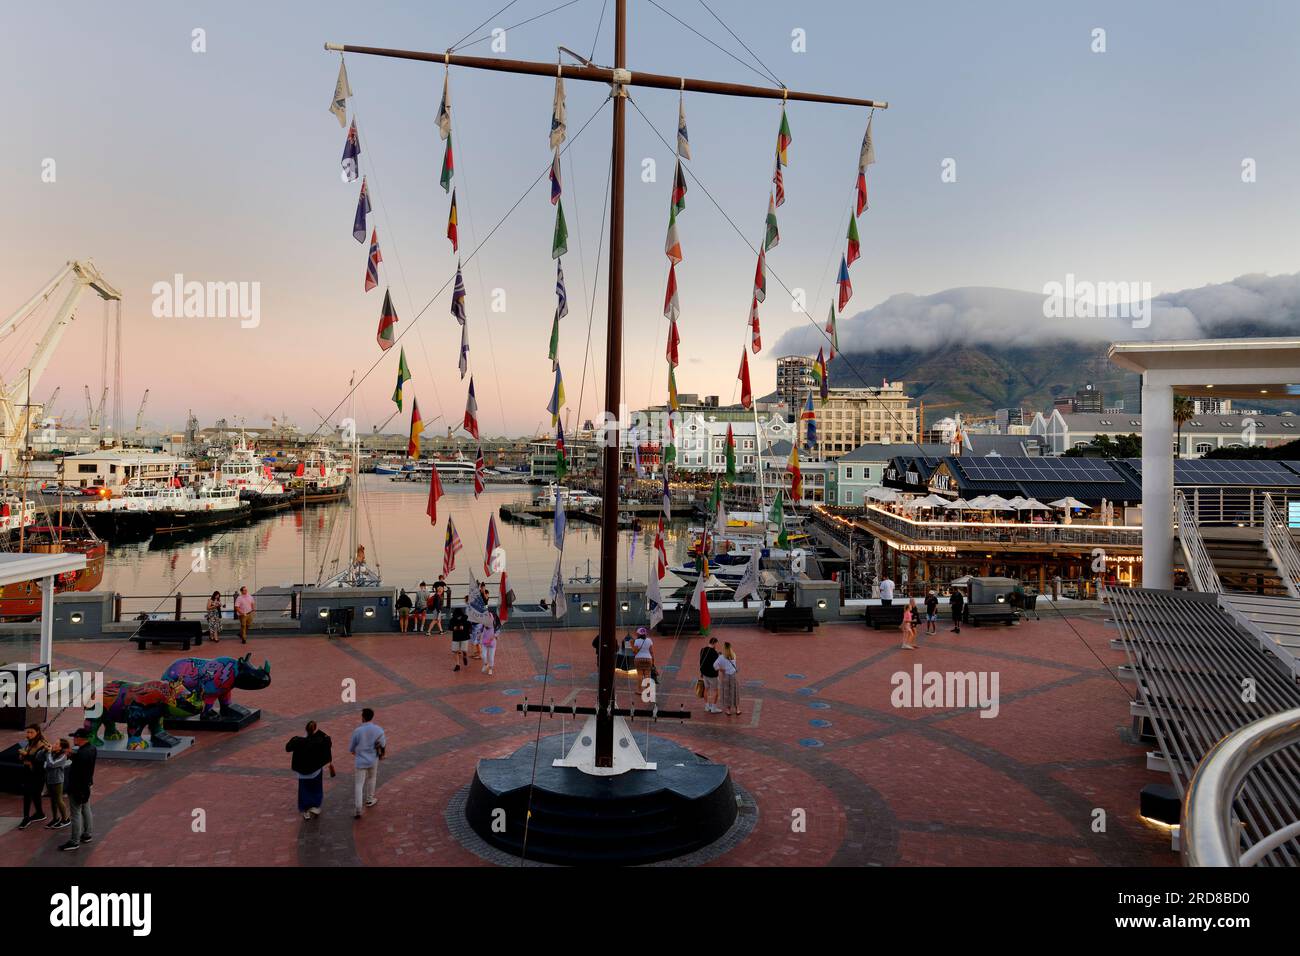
(1281, 547)
(1199, 566)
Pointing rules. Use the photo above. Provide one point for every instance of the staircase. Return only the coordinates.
(1242, 561)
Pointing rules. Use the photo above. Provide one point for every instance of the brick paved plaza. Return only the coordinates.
(880, 785)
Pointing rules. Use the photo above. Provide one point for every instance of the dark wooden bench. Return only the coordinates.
(681, 620)
(184, 633)
(977, 614)
(789, 618)
(880, 615)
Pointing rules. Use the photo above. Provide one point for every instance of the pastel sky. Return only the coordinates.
(224, 166)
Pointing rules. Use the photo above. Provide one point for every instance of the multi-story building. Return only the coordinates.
(794, 377)
(865, 466)
(1201, 434)
(856, 416)
(1088, 401)
(702, 441)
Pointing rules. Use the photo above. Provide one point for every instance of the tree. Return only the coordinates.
(1183, 412)
(1103, 446)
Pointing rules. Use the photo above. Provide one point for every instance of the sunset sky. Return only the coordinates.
(224, 166)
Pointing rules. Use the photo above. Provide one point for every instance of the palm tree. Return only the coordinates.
(1184, 410)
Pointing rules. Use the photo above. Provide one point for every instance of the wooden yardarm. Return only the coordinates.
(619, 79)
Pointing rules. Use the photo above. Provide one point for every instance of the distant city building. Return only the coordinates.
(1200, 435)
(702, 441)
(1064, 405)
(1212, 406)
(855, 416)
(864, 467)
(1088, 400)
(1006, 417)
(794, 377)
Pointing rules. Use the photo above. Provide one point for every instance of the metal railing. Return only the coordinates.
(1236, 507)
(1004, 533)
(1281, 547)
(1211, 834)
(1199, 566)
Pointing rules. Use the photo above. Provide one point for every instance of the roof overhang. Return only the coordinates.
(28, 566)
(1265, 369)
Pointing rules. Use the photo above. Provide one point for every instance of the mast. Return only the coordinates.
(758, 470)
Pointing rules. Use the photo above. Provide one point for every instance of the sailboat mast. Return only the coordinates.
(758, 468)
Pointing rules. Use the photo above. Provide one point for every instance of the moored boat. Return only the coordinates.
(212, 505)
(22, 599)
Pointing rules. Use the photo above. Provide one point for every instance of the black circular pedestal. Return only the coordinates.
(641, 816)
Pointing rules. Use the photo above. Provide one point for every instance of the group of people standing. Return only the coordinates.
(245, 605)
(719, 682)
(911, 623)
(66, 776)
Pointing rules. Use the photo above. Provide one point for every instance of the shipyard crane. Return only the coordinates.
(139, 415)
(75, 278)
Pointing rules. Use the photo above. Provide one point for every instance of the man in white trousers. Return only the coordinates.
(368, 745)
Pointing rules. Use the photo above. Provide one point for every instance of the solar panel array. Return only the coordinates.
(1228, 471)
(1038, 469)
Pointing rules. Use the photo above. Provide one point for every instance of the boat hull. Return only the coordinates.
(120, 524)
(190, 521)
(263, 502)
(22, 600)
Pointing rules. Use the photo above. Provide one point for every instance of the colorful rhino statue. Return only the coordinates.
(139, 705)
(216, 678)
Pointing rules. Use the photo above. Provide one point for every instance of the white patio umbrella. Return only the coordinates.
(979, 502)
(1017, 502)
(933, 501)
(994, 501)
(958, 504)
(1033, 504)
(1067, 503)
(913, 503)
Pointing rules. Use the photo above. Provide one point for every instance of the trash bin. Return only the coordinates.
(341, 620)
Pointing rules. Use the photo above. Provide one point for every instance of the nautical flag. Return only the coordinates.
(351, 155)
(755, 336)
(661, 551)
(845, 284)
(403, 375)
(810, 416)
(556, 186)
(417, 426)
(855, 247)
(507, 595)
(832, 330)
(479, 472)
(435, 492)
(823, 377)
(476, 609)
(363, 210)
(654, 601)
(778, 181)
(558, 600)
(298, 473)
(760, 277)
(773, 233)
(561, 519)
(683, 141)
(635, 442)
(561, 456)
(557, 397)
(674, 341)
(450, 546)
(453, 222)
(679, 189)
(700, 599)
(748, 585)
(372, 263)
(673, 242)
(560, 240)
(796, 474)
(668, 499)
(730, 473)
(561, 310)
(719, 510)
(339, 105)
(777, 517)
(448, 167)
(746, 393)
(558, 114)
(458, 297)
(492, 544)
(866, 157)
(443, 119)
(471, 411)
(672, 306)
(464, 350)
(387, 321)
(783, 140)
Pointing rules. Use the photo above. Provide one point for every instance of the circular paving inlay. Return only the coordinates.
(492, 709)
(818, 722)
(810, 742)
(795, 676)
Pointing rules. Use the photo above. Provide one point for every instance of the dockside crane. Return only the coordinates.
(139, 415)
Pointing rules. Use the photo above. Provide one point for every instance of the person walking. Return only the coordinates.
(56, 763)
(728, 680)
(403, 610)
(32, 757)
(931, 613)
(957, 603)
(886, 592)
(421, 606)
(488, 638)
(213, 617)
(709, 674)
(911, 617)
(312, 753)
(459, 639)
(644, 659)
(439, 601)
(368, 745)
(78, 780)
(244, 608)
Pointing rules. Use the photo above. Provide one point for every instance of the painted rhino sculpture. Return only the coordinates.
(139, 705)
(216, 678)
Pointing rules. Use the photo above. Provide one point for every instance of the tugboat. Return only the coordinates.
(214, 505)
(254, 481)
(129, 517)
(15, 513)
(22, 599)
(319, 478)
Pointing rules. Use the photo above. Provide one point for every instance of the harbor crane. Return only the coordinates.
(16, 409)
(95, 413)
(139, 415)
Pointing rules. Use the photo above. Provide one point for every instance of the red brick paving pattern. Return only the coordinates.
(885, 786)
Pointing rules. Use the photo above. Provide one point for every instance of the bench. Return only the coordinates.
(977, 614)
(681, 620)
(789, 618)
(184, 633)
(880, 615)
